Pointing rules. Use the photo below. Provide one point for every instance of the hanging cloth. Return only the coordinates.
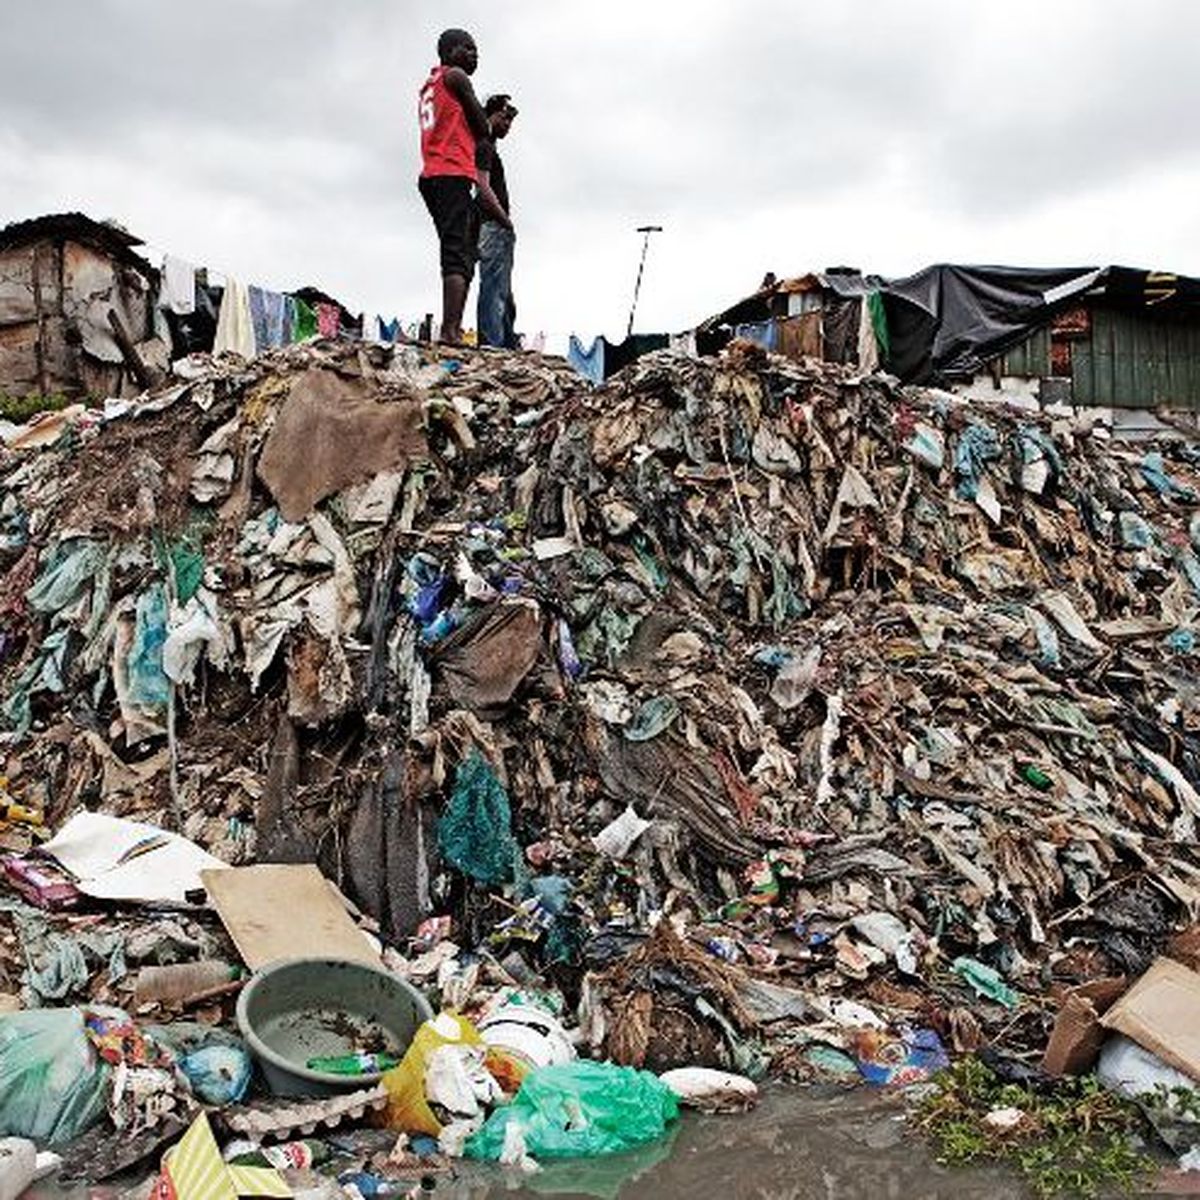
(235, 329)
(289, 320)
(178, 286)
(305, 325)
(266, 314)
(327, 320)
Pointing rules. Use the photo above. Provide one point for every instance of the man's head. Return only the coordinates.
(456, 48)
(500, 112)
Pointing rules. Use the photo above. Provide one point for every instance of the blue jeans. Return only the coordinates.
(497, 311)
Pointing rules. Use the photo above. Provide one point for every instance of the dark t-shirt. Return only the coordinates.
(487, 158)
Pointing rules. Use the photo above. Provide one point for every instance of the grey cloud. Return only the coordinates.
(279, 134)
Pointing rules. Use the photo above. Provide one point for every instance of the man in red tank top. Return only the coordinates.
(451, 119)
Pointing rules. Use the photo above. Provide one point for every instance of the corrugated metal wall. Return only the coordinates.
(1031, 358)
(1131, 361)
(1128, 361)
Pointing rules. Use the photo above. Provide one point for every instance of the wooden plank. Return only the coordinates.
(133, 360)
(276, 910)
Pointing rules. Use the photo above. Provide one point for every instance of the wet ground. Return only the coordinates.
(797, 1145)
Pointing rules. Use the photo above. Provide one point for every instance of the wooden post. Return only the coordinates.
(39, 347)
(129, 352)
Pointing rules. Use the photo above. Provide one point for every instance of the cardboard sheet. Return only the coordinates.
(1160, 1013)
(275, 911)
(1078, 1035)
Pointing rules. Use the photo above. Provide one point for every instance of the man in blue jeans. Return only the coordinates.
(497, 241)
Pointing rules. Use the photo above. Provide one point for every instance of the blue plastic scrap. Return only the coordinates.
(654, 716)
(1189, 564)
(1136, 532)
(67, 571)
(977, 446)
(926, 443)
(1181, 641)
(1154, 472)
(568, 656)
(149, 687)
(45, 673)
(774, 657)
(588, 362)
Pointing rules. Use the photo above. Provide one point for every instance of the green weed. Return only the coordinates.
(1073, 1140)
(19, 409)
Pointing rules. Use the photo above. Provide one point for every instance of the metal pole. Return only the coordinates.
(646, 230)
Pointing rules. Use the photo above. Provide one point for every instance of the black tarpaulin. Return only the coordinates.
(946, 321)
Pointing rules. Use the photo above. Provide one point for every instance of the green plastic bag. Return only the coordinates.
(53, 1085)
(475, 833)
(986, 981)
(580, 1110)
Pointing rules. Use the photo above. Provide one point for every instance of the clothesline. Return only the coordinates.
(251, 318)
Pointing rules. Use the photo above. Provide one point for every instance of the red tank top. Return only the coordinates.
(447, 143)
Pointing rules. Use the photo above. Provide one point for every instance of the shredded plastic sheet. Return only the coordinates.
(149, 687)
(475, 832)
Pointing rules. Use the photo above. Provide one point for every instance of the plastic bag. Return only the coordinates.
(578, 1109)
(21, 1165)
(53, 1084)
(408, 1108)
(985, 981)
(217, 1074)
(1166, 1096)
(475, 833)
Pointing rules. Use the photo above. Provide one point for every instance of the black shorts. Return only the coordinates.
(452, 207)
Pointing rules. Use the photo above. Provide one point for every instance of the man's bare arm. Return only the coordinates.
(459, 84)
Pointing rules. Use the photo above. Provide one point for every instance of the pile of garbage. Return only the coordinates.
(762, 715)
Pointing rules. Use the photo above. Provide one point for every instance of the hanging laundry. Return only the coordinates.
(619, 355)
(328, 319)
(305, 324)
(370, 327)
(868, 346)
(389, 331)
(266, 314)
(235, 329)
(880, 325)
(178, 286)
(289, 320)
(589, 363)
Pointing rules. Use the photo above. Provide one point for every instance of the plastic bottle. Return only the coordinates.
(298, 1156)
(181, 980)
(354, 1064)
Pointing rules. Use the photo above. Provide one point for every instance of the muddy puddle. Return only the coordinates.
(797, 1145)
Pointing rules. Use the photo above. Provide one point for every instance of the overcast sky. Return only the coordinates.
(276, 140)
